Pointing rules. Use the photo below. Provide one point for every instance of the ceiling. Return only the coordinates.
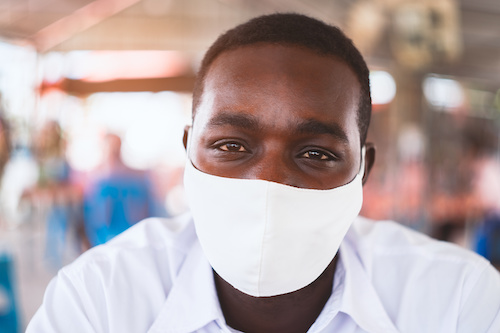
(191, 25)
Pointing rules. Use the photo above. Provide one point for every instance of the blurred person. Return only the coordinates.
(5, 146)
(55, 194)
(9, 317)
(5, 152)
(487, 190)
(273, 243)
(116, 196)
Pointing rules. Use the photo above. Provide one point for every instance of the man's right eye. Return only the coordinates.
(232, 147)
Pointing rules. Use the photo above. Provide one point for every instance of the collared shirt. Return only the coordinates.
(155, 278)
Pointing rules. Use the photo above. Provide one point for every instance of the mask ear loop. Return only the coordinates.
(361, 171)
(189, 162)
(188, 143)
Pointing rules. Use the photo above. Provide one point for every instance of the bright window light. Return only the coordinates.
(84, 148)
(443, 93)
(382, 87)
(151, 125)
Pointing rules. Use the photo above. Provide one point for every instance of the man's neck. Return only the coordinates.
(291, 313)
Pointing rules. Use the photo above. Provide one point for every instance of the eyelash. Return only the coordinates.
(226, 143)
(318, 152)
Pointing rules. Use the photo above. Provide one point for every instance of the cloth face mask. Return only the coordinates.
(266, 238)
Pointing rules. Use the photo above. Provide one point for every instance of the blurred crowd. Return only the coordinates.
(87, 208)
(75, 210)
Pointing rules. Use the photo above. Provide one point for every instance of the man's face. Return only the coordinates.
(278, 113)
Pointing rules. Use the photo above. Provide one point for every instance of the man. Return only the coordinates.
(115, 196)
(276, 160)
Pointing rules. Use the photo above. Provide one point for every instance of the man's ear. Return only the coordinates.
(369, 160)
(185, 136)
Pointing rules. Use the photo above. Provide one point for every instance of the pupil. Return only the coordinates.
(314, 154)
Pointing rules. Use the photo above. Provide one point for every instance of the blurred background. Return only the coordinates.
(94, 96)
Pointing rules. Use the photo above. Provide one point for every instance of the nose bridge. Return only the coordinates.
(274, 165)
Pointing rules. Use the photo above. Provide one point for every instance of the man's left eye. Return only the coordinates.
(317, 155)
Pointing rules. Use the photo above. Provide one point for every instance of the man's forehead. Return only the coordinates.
(241, 65)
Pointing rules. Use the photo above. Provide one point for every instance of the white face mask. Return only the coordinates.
(266, 238)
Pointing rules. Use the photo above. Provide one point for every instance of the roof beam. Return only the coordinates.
(78, 21)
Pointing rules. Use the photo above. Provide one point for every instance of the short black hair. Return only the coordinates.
(298, 30)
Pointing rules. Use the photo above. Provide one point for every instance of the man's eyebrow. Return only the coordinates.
(241, 120)
(317, 127)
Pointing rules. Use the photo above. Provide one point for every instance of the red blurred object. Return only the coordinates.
(126, 71)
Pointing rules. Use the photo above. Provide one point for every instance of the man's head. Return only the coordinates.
(297, 30)
(283, 98)
(112, 148)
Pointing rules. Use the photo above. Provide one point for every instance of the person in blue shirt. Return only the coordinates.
(117, 196)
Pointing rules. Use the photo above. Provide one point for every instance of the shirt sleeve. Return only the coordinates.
(65, 308)
(481, 308)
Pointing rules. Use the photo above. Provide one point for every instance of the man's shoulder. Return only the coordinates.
(413, 273)
(391, 238)
(390, 251)
(122, 285)
(149, 244)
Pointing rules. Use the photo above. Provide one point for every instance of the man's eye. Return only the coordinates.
(232, 147)
(317, 155)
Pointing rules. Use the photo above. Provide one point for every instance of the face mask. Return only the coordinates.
(265, 238)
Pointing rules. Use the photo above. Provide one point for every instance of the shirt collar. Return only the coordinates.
(360, 299)
(192, 302)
